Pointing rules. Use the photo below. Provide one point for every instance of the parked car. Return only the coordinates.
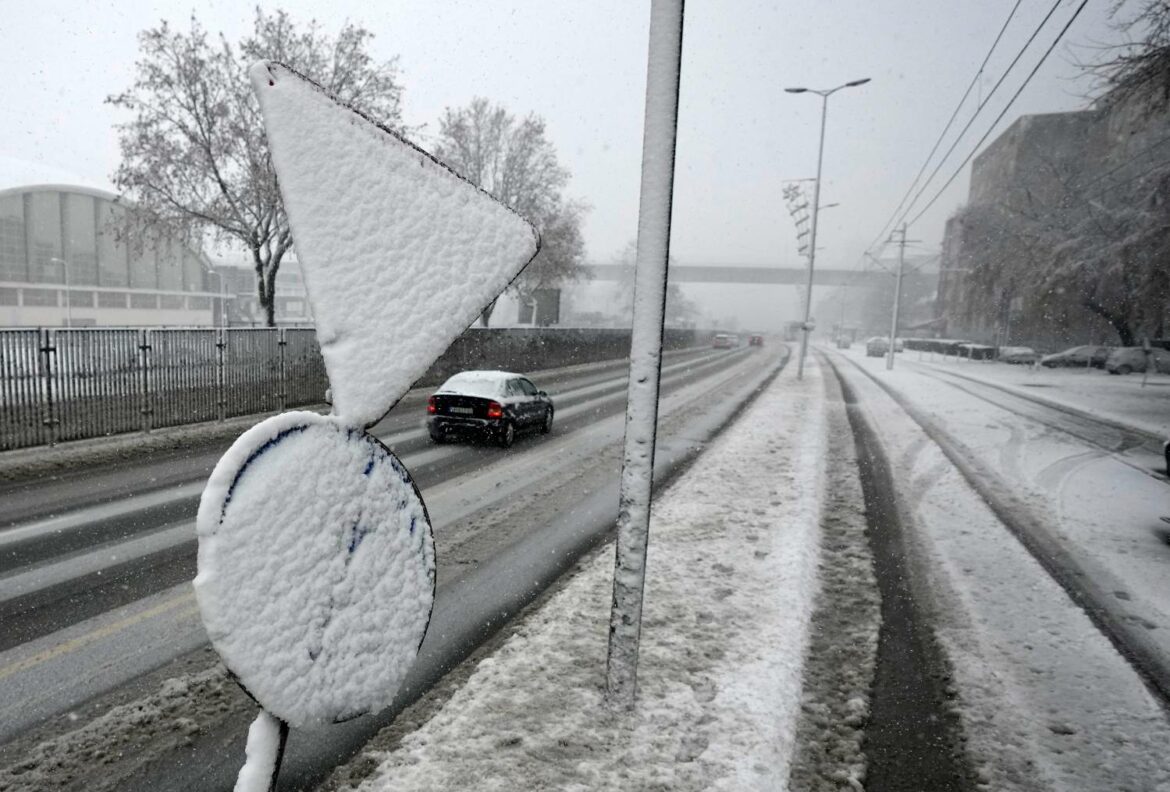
(725, 341)
(843, 342)
(1017, 355)
(1127, 360)
(1083, 356)
(492, 405)
(877, 346)
(756, 340)
(976, 351)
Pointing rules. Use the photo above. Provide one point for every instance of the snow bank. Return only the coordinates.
(730, 582)
(1122, 399)
(316, 568)
(399, 253)
(1046, 700)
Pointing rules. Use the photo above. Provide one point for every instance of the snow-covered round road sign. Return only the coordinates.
(316, 568)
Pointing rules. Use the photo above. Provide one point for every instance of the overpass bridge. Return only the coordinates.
(780, 276)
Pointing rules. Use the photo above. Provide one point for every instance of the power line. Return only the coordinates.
(998, 118)
(895, 218)
(950, 121)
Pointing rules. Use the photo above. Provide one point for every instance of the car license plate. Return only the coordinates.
(462, 410)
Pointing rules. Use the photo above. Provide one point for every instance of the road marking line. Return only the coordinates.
(81, 641)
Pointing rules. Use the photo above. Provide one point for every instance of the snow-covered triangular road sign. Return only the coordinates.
(399, 253)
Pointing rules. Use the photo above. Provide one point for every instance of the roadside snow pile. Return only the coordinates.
(1046, 701)
(730, 582)
(1117, 398)
(399, 253)
(316, 568)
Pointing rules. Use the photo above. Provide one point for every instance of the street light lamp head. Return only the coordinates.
(795, 90)
(855, 83)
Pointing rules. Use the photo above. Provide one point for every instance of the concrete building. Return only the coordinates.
(63, 263)
(234, 278)
(1040, 170)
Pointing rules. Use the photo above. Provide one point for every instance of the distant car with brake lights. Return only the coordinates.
(490, 405)
(756, 340)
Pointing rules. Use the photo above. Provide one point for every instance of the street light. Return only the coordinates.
(68, 294)
(812, 248)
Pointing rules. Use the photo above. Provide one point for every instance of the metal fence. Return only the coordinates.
(74, 383)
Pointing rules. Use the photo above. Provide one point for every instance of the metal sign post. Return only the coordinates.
(650, 273)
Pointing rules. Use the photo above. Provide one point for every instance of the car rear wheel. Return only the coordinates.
(507, 435)
(437, 437)
(546, 427)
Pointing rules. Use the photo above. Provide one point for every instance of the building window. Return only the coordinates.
(43, 211)
(40, 297)
(9, 296)
(170, 265)
(193, 277)
(13, 253)
(144, 301)
(80, 299)
(111, 299)
(171, 302)
(78, 222)
(113, 265)
(199, 303)
(143, 264)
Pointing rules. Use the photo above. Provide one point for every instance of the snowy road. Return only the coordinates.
(128, 558)
(1059, 640)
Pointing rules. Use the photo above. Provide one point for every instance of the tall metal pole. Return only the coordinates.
(650, 272)
(844, 297)
(68, 289)
(897, 298)
(812, 245)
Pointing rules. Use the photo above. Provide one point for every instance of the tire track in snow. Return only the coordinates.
(1091, 589)
(912, 677)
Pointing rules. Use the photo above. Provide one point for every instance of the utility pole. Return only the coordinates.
(812, 245)
(844, 297)
(897, 295)
(660, 130)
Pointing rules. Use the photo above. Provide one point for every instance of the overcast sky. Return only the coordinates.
(581, 65)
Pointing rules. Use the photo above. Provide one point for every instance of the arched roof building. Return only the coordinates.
(62, 263)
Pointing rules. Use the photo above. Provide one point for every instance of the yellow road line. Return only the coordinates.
(72, 645)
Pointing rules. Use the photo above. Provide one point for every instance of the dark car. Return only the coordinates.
(1082, 356)
(877, 346)
(756, 340)
(492, 405)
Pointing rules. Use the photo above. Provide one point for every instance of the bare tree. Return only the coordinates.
(513, 159)
(195, 158)
(1102, 247)
(1141, 63)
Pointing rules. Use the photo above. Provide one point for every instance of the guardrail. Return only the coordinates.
(60, 384)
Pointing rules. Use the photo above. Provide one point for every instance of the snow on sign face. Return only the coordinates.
(399, 253)
(316, 568)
